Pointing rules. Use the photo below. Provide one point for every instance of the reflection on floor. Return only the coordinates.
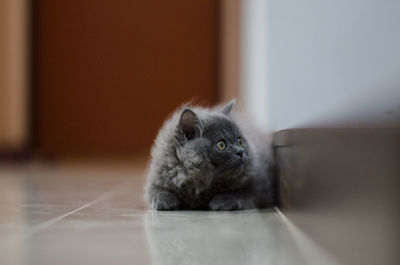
(75, 214)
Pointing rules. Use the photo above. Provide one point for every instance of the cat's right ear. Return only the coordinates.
(190, 125)
(227, 109)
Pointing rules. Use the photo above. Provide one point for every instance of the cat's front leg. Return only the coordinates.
(231, 202)
(165, 201)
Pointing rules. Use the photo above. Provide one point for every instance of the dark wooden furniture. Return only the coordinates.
(107, 73)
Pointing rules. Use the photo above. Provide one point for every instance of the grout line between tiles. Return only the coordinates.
(50, 222)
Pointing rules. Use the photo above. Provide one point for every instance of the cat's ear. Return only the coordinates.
(227, 109)
(190, 125)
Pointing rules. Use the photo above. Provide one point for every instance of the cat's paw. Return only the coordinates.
(165, 201)
(228, 202)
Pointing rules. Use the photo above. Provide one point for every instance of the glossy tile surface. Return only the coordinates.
(91, 214)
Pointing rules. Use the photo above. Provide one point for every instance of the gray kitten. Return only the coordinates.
(209, 159)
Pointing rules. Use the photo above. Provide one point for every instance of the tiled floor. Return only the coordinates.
(91, 214)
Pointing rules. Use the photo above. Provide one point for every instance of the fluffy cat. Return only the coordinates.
(210, 159)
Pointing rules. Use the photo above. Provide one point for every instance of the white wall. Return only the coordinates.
(331, 59)
(253, 60)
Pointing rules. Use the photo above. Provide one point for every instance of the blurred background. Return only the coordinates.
(99, 77)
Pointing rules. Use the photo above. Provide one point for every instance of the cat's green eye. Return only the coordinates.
(221, 145)
(239, 141)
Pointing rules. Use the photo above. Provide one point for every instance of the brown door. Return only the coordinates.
(106, 73)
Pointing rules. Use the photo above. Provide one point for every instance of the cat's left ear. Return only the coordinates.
(227, 109)
(190, 125)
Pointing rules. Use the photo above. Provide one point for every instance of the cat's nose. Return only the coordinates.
(240, 153)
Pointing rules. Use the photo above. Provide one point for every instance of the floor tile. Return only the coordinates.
(69, 214)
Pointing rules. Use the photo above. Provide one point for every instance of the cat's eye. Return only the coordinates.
(221, 145)
(239, 141)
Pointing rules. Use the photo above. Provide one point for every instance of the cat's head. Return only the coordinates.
(213, 142)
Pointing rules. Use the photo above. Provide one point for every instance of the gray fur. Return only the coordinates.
(188, 171)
